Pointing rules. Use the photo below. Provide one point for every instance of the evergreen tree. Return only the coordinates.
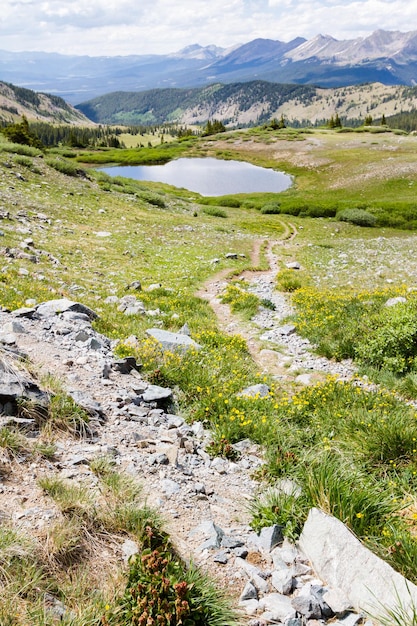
(337, 121)
(20, 133)
(213, 127)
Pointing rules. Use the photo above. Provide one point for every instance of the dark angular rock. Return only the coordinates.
(126, 365)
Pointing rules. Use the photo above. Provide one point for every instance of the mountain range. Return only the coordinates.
(388, 57)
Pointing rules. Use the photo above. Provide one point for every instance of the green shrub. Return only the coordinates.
(65, 167)
(272, 208)
(359, 217)
(288, 281)
(241, 301)
(320, 211)
(24, 161)
(233, 203)
(161, 590)
(392, 340)
(153, 199)
(214, 211)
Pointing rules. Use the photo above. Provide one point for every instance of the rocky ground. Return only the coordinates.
(204, 501)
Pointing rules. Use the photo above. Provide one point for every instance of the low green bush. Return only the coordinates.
(214, 211)
(272, 208)
(241, 301)
(24, 161)
(359, 217)
(18, 148)
(154, 199)
(162, 590)
(392, 341)
(66, 167)
(233, 203)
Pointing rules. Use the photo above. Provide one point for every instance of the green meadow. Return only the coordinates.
(350, 447)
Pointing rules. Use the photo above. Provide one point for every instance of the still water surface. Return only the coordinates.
(208, 176)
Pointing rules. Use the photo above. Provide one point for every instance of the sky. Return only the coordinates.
(123, 27)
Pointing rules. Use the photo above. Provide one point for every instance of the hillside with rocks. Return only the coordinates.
(137, 425)
(159, 391)
(16, 102)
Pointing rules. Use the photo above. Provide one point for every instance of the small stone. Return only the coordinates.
(393, 301)
(241, 553)
(270, 536)
(129, 548)
(249, 606)
(351, 619)
(231, 542)
(170, 487)
(337, 601)
(279, 607)
(249, 592)
(282, 581)
(307, 605)
(220, 465)
(254, 391)
(221, 557)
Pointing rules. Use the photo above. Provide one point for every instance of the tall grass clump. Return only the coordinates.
(288, 281)
(247, 304)
(22, 149)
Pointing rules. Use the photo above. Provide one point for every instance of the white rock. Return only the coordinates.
(340, 559)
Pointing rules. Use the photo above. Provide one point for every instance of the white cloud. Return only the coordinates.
(161, 26)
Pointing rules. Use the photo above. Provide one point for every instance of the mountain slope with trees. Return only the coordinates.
(254, 102)
(16, 102)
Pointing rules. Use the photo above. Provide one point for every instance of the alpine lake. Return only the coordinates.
(208, 176)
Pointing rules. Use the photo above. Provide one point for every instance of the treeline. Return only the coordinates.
(76, 137)
(404, 121)
(46, 135)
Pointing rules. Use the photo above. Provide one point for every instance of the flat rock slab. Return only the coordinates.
(54, 307)
(340, 559)
(154, 393)
(172, 341)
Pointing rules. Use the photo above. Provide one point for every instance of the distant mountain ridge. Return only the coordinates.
(389, 57)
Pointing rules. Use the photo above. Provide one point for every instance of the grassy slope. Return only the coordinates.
(174, 244)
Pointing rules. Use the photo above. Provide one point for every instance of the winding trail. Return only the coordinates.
(279, 352)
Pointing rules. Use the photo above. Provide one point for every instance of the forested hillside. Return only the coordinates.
(236, 103)
(252, 103)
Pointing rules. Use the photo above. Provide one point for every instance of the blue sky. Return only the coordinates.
(120, 27)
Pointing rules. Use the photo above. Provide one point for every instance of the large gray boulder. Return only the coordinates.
(175, 342)
(341, 560)
(54, 307)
